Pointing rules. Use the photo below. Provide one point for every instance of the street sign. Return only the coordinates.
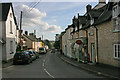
(79, 42)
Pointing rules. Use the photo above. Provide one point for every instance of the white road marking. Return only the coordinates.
(43, 64)
(48, 73)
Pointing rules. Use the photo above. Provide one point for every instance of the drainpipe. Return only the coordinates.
(97, 41)
(87, 44)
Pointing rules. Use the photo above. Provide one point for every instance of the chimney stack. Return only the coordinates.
(88, 7)
(102, 1)
(26, 32)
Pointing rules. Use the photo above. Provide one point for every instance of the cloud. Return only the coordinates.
(32, 18)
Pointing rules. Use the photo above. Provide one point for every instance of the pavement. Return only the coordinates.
(101, 69)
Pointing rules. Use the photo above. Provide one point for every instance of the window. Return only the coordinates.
(11, 15)
(80, 33)
(116, 23)
(116, 50)
(115, 11)
(11, 27)
(11, 46)
(91, 30)
(92, 21)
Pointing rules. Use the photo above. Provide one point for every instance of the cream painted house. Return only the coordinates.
(31, 42)
(8, 37)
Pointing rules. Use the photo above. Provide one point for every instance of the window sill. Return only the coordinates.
(116, 31)
(117, 59)
(11, 32)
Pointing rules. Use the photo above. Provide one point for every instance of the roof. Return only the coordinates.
(86, 25)
(98, 6)
(82, 19)
(94, 13)
(106, 15)
(32, 38)
(4, 9)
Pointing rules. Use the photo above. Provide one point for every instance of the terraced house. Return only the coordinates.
(98, 32)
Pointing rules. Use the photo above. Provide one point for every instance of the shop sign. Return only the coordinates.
(79, 42)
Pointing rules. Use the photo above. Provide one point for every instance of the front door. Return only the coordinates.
(93, 52)
(65, 50)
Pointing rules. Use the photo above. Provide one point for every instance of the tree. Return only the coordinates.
(57, 44)
(47, 42)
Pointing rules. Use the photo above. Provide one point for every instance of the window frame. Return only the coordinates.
(116, 51)
(11, 31)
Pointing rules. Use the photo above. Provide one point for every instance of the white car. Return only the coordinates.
(42, 50)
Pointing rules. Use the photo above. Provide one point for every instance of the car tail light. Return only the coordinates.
(26, 56)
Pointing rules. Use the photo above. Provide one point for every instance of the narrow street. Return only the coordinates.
(47, 66)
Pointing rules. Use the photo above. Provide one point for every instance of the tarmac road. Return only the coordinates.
(47, 66)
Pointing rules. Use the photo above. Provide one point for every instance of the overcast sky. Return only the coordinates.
(48, 18)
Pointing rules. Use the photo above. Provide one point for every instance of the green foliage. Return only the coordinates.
(57, 44)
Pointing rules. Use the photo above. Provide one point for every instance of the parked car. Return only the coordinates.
(32, 54)
(42, 50)
(37, 54)
(22, 57)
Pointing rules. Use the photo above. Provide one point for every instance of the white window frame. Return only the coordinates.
(116, 51)
(11, 27)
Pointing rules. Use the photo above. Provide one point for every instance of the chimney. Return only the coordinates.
(88, 7)
(26, 32)
(102, 1)
(78, 15)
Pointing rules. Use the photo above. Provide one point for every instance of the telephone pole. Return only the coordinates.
(20, 27)
(34, 38)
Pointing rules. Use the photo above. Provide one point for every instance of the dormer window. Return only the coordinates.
(116, 11)
(91, 21)
(76, 28)
(80, 26)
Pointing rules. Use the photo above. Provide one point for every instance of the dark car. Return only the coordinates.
(22, 57)
(37, 54)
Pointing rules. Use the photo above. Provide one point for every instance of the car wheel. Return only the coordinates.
(14, 63)
(28, 61)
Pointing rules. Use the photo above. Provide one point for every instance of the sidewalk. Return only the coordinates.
(100, 69)
(7, 64)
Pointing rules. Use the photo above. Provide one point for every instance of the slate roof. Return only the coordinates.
(32, 38)
(4, 10)
(106, 15)
(82, 19)
(94, 13)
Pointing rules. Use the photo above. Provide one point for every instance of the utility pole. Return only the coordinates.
(20, 27)
(34, 38)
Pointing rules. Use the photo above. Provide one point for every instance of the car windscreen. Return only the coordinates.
(41, 48)
(22, 53)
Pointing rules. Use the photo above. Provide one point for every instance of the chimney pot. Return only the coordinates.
(26, 32)
(88, 7)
